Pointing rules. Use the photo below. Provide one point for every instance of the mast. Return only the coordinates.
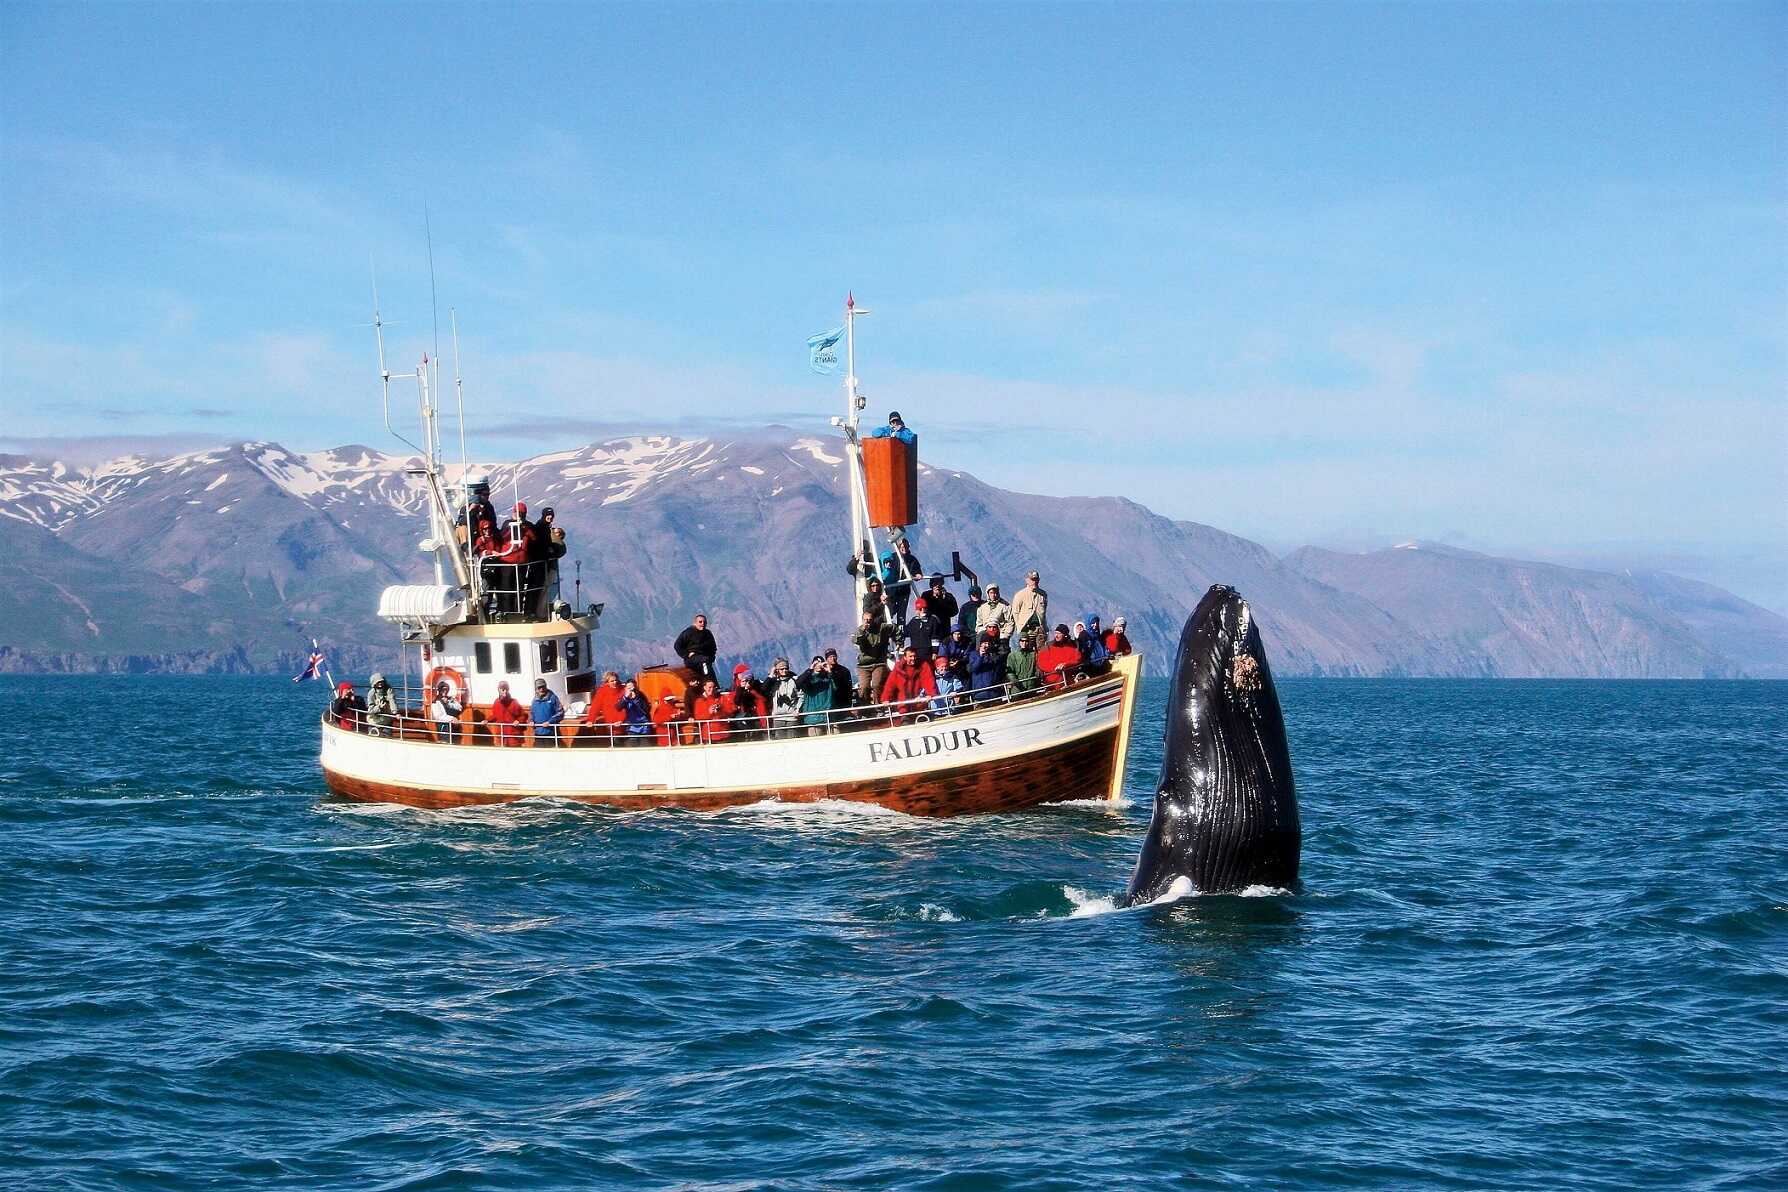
(861, 531)
(440, 522)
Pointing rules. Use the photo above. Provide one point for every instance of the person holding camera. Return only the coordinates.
(815, 685)
(873, 639)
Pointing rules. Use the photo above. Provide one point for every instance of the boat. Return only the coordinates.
(485, 621)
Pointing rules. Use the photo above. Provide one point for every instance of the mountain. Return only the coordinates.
(1733, 626)
(1519, 619)
(232, 559)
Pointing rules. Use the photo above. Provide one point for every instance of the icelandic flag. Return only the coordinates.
(313, 669)
(822, 350)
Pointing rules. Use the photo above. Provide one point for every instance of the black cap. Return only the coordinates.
(547, 512)
(894, 416)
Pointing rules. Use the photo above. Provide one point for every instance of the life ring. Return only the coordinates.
(449, 675)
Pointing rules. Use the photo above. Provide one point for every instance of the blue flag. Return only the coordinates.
(822, 350)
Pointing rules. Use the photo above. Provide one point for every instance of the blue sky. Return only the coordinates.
(1515, 277)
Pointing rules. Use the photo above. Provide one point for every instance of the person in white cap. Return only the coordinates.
(1117, 644)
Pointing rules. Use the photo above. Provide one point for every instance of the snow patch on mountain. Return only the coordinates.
(817, 450)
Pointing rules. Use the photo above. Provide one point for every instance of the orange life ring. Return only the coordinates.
(449, 675)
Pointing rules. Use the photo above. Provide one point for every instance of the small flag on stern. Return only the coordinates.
(822, 350)
(313, 669)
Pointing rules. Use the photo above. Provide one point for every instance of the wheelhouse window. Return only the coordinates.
(549, 655)
(573, 653)
(481, 657)
(512, 658)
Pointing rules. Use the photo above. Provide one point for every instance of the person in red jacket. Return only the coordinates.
(1117, 643)
(909, 685)
(1058, 661)
(749, 705)
(713, 712)
(605, 714)
(506, 716)
(484, 541)
(667, 715)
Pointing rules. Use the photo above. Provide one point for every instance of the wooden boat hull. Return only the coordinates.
(1059, 747)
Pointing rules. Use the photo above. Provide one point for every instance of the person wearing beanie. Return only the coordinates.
(896, 429)
(1089, 639)
(969, 615)
(785, 699)
(1021, 665)
(506, 715)
(346, 707)
(994, 616)
(873, 639)
(1059, 660)
(750, 708)
(815, 684)
(941, 604)
(1117, 643)
(668, 715)
(843, 690)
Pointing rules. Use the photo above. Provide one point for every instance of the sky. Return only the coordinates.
(1512, 277)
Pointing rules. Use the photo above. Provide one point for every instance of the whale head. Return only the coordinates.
(1226, 809)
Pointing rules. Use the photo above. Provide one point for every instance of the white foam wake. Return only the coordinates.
(1087, 905)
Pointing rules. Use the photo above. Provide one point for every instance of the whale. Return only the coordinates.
(1226, 807)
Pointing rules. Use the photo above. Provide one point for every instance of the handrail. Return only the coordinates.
(525, 591)
(413, 722)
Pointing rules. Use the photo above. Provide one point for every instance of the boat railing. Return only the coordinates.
(518, 591)
(415, 722)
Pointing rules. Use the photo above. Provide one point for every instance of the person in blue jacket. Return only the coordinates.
(637, 712)
(546, 713)
(896, 429)
(987, 671)
(1091, 643)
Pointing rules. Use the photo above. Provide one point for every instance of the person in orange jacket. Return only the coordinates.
(713, 712)
(506, 716)
(605, 713)
(1117, 642)
(1058, 661)
(909, 685)
(666, 716)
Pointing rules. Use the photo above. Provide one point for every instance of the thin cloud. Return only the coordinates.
(83, 450)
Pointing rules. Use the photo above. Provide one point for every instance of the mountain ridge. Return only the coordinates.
(232, 558)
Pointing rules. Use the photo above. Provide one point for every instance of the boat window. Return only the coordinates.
(481, 657)
(573, 653)
(549, 656)
(512, 658)
(588, 657)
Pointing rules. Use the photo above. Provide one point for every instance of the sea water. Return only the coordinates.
(1541, 940)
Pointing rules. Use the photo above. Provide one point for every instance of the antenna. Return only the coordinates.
(459, 395)
(385, 374)
(440, 520)
(434, 306)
